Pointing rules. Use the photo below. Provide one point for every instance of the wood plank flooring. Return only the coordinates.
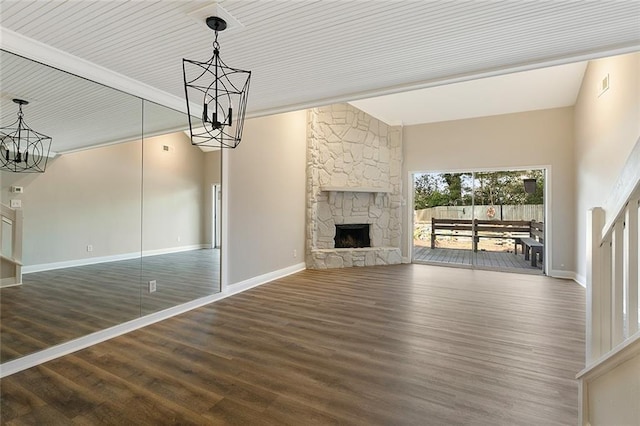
(53, 307)
(390, 345)
(504, 261)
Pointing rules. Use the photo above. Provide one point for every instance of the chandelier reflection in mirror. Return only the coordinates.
(22, 149)
(222, 91)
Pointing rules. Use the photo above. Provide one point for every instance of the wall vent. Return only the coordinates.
(604, 85)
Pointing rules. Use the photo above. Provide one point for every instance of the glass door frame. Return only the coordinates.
(547, 252)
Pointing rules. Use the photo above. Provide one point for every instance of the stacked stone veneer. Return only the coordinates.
(362, 156)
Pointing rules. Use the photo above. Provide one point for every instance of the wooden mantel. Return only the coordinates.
(332, 190)
(355, 189)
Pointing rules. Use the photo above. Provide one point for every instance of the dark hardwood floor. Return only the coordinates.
(53, 307)
(391, 345)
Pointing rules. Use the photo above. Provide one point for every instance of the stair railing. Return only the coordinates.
(612, 328)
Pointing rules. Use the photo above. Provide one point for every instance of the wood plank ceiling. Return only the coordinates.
(308, 53)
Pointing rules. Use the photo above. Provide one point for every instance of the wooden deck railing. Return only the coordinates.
(477, 229)
(609, 384)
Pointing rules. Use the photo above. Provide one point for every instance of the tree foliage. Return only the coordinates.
(486, 188)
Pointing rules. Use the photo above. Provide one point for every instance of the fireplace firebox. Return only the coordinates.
(352, 236)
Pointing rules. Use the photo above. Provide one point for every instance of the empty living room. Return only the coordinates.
(311, 212)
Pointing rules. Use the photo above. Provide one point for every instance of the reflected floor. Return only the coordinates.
(506, 261)
(52, 307)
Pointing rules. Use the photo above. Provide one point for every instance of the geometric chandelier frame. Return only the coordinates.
(22, 149)
(222, 91)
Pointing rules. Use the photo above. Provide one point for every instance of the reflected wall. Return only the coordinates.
(123, 201)
(178, 255)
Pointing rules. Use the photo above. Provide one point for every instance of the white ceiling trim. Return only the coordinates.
(126, 140)
(48, 55)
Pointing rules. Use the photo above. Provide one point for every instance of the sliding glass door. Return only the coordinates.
(482, 219)
(509, 223)
(443, 208)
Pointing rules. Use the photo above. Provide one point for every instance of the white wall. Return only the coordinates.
(90, 197)
(520, 140)
(266, 197)
(607, 127)
(173, 193)
(98, 197)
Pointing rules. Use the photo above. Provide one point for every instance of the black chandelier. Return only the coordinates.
(222, 91)
(22, 149)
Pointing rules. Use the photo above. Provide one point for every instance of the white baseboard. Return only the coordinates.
(568, 275)
(170, 250)
(104, 259)
(78, 262)
(406, 259)
(71, 346)
(265, 278)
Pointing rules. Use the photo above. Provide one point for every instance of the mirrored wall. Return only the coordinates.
(121, 224)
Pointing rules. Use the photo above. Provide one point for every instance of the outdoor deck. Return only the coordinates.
(483, 259)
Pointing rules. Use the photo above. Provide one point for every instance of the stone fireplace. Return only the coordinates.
(353, 183)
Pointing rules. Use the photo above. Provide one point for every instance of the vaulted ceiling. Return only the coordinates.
(309, 53)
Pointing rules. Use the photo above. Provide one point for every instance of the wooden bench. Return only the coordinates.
(477, 229)
(534, 244)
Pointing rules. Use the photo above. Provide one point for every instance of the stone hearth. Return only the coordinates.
(353, 177)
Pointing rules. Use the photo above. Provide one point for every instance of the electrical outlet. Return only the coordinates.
(179, 238)
(295, 253)
(152, 286)
(89, 247)
(16, 204)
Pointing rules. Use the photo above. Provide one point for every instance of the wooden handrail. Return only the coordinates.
(626, 186)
